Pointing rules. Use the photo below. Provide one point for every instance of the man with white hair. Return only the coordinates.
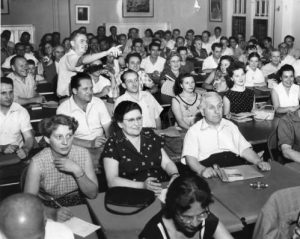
(214, 140)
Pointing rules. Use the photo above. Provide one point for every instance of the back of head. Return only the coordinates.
(22, 216)
(184, 191)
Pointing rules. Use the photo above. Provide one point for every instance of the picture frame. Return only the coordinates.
(138, 8)
(215, 11)
(82, 14)
(4, 6)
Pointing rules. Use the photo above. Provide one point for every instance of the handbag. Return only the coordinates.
(266, 112)
(118, 200)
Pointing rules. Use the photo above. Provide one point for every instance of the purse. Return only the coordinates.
(266, 112)
(118, 200)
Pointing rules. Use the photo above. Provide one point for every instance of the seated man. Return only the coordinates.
(289, 135)
(211, 63)
(15, 128)
(22, 216)
(269, 70)
(133, 62)
(24, 84)
(214, 140)
(91, 113)
(150, 107)
(154, 64)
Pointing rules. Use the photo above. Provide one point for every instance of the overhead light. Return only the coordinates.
(196, 5)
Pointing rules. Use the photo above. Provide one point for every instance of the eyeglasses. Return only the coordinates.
(139, 120)
(200, 217)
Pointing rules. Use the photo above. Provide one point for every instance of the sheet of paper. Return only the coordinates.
(81, 227)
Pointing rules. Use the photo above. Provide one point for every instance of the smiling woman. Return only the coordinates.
(134, 156)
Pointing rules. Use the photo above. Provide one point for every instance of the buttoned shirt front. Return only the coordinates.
(149, 67)
(203, 140)
(24, 89)
(254, 77)
(269, 69)
(13, 124)
(151, 109)
(90, 122)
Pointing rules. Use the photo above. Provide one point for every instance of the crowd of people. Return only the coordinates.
(85, 70)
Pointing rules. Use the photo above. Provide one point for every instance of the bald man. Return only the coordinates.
(22, 216)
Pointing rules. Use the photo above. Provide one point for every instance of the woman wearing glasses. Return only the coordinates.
(186, 213)
(134, 156)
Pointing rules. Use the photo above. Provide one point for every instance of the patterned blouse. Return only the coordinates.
(240, 101)
(189, 111)
(54, 182)
(134, 165)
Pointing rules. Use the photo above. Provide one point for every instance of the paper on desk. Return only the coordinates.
(81, 227)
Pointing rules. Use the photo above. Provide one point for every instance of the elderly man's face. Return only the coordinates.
(275, 58)
(20, 67)
(213, 110)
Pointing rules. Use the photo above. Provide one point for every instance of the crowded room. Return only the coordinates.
(150, 119)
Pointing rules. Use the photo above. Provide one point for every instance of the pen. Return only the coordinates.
(55, 202)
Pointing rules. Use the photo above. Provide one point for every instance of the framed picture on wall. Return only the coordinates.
(4, 7)
(137, 8)
(215, 10)
(82, 14)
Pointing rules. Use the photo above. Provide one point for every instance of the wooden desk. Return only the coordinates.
(257, 131)
(82, 212)
(262, 96)
(46, 89)
(246, 202)
(117, 226)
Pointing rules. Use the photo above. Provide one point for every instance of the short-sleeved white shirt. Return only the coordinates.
(90, 122)
(13, 124)
(297, 68)
(207, 47)
(149, 67)
(203, 140)
(254, 77)
(210, 63)
(102, 82)
(269, 69)
(151, 109)
(66, 69)
(24, 89)
(290, 60)
(227, 52)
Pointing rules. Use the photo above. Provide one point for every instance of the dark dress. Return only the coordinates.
(134, 165)
(155, 227)
(240, 101)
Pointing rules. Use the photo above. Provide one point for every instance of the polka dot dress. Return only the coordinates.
(240, 101)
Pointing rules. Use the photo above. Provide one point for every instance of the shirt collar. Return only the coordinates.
(205, 125)
(75, 107)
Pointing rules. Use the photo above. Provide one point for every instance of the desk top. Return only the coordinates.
(129, 226)
(82, 212)
(257, 131)
(247, 202)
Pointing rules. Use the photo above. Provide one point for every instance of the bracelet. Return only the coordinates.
(80, 175)
(174, 174)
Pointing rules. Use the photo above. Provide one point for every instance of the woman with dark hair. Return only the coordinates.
(186, 213)
(217, 79)
(286, 95)
(134, 156)
(62, 173)
(238, 99)
(185, 104)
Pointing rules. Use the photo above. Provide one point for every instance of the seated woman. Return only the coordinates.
(239, 98)
(134, 156)
(186, 213)
(286, 95)
(61, 169)
(170, 74)
(254, 76)
(216, 80)
(186, 103)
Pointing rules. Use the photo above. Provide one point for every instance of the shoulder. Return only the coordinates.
(65, 105)
(43, 155)
(97, 102)
(153, 228)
